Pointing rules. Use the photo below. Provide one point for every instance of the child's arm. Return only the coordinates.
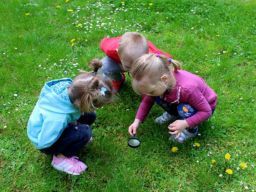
(155, 50)
(204, 111)
(134, 126)
(143, 110)
(50, 132)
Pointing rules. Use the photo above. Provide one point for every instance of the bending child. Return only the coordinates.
(121, 52)
(184, 96)
(60, 124)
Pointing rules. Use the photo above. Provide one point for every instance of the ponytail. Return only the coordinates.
(95, 64)
(174, 63)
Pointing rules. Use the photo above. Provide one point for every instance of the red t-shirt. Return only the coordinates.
(110, 45)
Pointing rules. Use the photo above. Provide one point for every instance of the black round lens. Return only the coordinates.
(134, 142)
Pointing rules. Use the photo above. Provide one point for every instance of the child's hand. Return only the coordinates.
(133, 127)
(177, 127)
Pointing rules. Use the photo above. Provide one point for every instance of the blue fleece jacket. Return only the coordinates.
(52, 113)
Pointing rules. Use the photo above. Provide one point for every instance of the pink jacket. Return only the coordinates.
(190, 89)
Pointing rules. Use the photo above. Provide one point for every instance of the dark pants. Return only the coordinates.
(168, 107)
(111, 69)
(74, 137)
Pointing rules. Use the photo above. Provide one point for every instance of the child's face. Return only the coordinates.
(147, 87)
(153, 86)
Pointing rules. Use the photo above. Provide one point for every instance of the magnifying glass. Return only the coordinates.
(133, 142)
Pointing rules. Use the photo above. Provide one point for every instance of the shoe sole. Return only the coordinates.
(69, 172)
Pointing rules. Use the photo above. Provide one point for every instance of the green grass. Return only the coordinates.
(215, 39)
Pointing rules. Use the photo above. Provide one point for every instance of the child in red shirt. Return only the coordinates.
(121, 52)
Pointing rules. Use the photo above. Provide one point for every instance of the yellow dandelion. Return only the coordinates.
(72, 42)
(27, 14)
(174, 149)
(213, 161)
(196, 144)
(243, 165)
(58, 6)
(79, 25)
(227, 156)
(229, 171)
(70, 10)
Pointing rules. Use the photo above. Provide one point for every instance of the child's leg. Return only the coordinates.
(170, 113)
(64, 150)
(73, 138)
(170, 108)
(113, 70)
(185, 111)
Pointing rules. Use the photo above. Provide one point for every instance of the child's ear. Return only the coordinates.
(164, 78)
(95, 83)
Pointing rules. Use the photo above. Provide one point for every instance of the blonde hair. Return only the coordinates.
(153, 67)
(132, 45)
(85, 90)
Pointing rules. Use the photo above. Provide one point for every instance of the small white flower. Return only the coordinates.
(220, 175)
(15, 95)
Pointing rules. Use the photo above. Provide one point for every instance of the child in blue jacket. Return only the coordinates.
(60, 122)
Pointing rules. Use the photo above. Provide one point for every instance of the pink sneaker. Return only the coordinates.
(70, 165)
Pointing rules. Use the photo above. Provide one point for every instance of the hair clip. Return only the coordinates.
(103, 91)
(158, 55)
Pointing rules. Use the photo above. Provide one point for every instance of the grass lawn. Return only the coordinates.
(44, 39)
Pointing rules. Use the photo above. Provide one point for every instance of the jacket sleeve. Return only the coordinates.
(109, 46)
(199, 102)
(144, 108)
(155, 50)
(50, 132)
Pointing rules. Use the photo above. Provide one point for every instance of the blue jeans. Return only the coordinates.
(111, 69)
(181, 111)
(73, 138)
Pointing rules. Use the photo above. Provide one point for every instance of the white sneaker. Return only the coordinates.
(184, 135)
(164, 118)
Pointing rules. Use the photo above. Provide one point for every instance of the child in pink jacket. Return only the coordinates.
(186, 98)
